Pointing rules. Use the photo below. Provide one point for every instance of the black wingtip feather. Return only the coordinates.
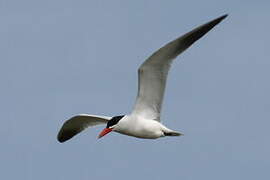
(219, 19)
(224, 16)
(62, 137)
(192, 36)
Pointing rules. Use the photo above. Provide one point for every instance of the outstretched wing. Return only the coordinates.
(153, 72)
(79, 123)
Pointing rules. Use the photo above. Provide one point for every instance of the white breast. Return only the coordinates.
(139, 127)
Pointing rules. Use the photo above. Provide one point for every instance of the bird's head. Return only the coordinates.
(110, 125)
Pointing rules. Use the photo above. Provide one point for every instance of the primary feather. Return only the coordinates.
(153, 72)
(79, 123)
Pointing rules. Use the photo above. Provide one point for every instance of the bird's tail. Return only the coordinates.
(169, 132)
(173, 133)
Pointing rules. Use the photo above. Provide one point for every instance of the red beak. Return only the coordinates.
(104, 132)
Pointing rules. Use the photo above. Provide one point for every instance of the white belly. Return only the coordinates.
(141, 128)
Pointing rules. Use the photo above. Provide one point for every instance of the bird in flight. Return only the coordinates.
(144, 120)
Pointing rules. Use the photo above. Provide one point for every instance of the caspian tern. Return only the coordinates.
(144, 120)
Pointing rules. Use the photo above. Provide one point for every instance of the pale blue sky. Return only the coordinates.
(63, 57)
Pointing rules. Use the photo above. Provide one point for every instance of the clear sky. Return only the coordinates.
(59, 58)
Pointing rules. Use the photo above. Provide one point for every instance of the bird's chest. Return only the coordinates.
(141, 129)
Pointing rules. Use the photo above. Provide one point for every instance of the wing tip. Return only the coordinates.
(219, 19)
(224, 16)
(216, 21)
(65, 135)
(61, 139)
(192, 36)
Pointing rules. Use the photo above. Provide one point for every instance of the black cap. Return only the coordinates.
(114, 121)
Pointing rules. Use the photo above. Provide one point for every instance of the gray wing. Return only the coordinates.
(79, 123)
(153, 72)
